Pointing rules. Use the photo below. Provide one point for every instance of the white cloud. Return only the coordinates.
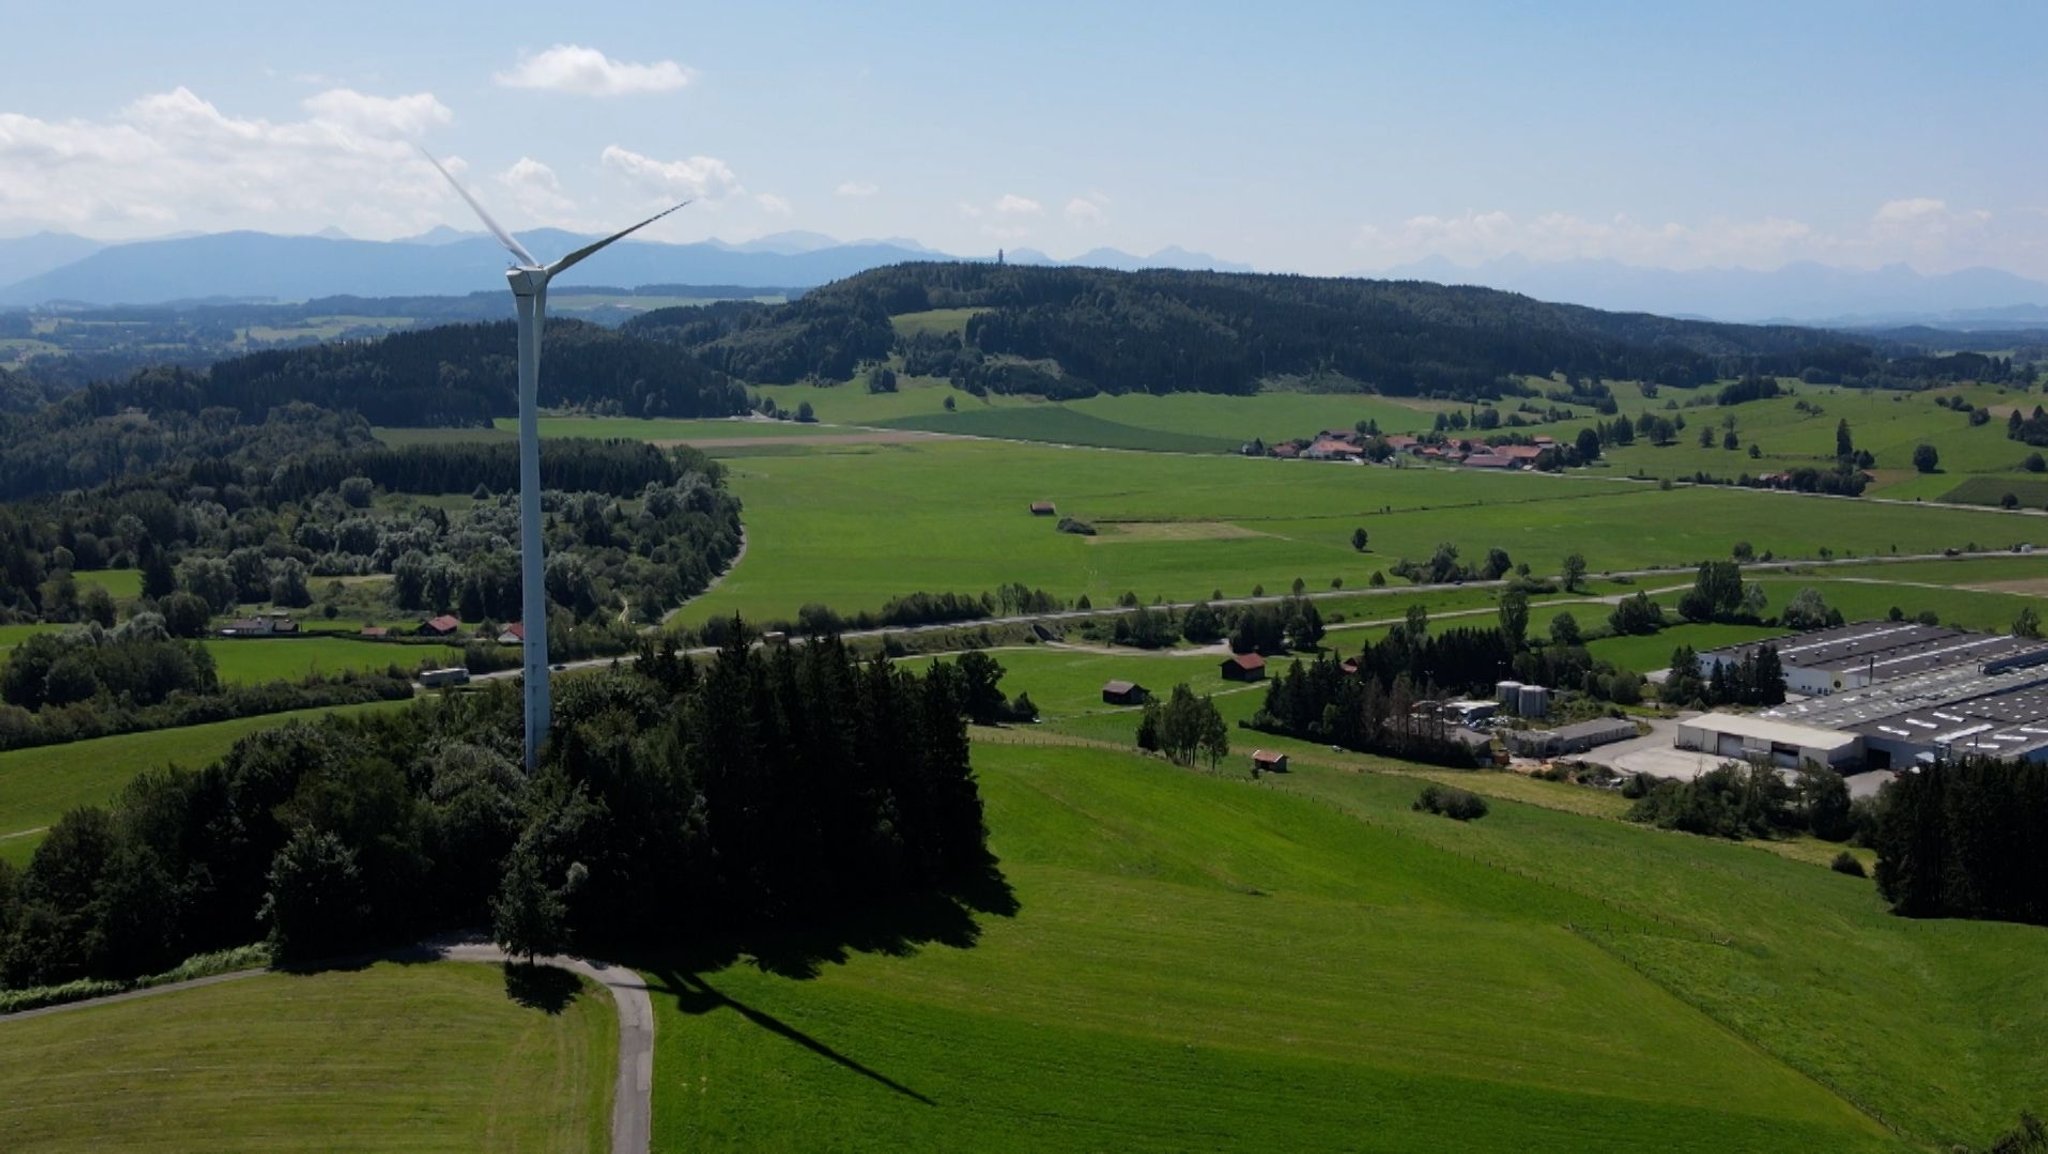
(536, 189)
(772, 204)
(379, 115)
(856, 188)
(175, 159)
(588, 72)
(695, 177)
(1010, 204)
(1910, 208)
(1084, 210)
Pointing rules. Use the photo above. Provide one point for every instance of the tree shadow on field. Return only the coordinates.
(548, 989)
(898, 927)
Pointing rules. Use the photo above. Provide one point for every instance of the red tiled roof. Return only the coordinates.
(1248, 661)
(444, 623)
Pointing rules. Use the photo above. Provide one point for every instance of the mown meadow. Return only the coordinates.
(1189, 960)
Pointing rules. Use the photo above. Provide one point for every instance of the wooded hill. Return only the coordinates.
(1071, 332)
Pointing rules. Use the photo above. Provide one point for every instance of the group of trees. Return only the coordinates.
(1184, 727)
(1719, 593)
(1324, 703)
(1757, 679)
(1744, 800)
(674, 798)
(92, 681)
(1966, 837)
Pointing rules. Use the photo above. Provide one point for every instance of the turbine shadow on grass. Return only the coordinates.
(896, 928)
(694, 995)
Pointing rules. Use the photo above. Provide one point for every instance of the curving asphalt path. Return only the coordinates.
(633, 1092)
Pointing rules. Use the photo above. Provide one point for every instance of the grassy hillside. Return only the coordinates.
(400, 1058)
(38, 785)
(851, 528)
(1196, 962)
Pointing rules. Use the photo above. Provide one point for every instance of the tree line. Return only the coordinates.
(1072, 331)
(675, 798)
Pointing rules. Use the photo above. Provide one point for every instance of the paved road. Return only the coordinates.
(633, 1093)
(1065, 615)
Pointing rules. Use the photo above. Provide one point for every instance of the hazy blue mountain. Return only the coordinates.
(22, 257)
(1804, 291)
(259, 266)
(447, 261)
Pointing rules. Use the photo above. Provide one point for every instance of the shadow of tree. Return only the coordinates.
(544, 988)
(898, 927)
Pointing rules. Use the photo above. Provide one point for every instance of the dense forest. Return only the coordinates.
(1968, 838)
(675, 798)
(1076, 331)
(632, 530)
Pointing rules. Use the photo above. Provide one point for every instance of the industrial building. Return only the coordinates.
(1566, 739)
(1828, 661)
(1885, 694)
(1743, 737)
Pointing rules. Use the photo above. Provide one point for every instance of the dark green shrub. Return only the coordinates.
(1456, 804)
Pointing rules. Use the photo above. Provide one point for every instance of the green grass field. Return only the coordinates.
(2030, 492)
(1644, 653)
(38, 785)
(854, 526)
(932, 322)
(399, 1058)
(256, 660)
(122, 584)
(1203, 963)
(1059, 424)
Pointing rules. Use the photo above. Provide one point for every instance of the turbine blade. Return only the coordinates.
(504, 238)
(587, 249)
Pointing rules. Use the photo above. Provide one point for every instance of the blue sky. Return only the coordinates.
(1313, 137)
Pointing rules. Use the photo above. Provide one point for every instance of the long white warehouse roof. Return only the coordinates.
(1776, 732)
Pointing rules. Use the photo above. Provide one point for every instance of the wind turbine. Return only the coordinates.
(529, 280)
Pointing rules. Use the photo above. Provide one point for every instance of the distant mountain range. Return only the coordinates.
(252, 266)
(1801, 293)
(52, 267)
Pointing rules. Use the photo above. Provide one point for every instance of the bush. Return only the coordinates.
(1077, 526)
(1456, 804)
(1847, 863)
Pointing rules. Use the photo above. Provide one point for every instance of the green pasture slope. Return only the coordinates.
(38, 785)
(1195, 962)
(400, 1058)
(261, 659)
(856, 525)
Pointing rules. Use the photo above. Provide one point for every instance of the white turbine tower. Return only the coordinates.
(529, 279)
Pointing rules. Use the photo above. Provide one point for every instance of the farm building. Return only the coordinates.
(374, 632)
(1043, 509)
(513, 634)
(1868, 653)
(1490, 461)
(1748, 738)
(269, 626)
(442, 626)
(1268, 761)
(1566, 739)
(1244, 667)
(1124, 693)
